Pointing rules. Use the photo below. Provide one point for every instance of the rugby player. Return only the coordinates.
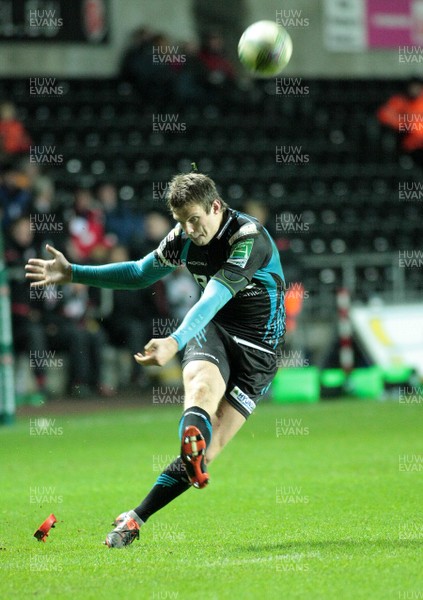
(230, 336)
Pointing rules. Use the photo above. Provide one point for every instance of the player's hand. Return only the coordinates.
(157, 352)
(42, 272)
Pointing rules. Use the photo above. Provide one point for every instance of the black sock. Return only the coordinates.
(169, 485)
(198, 417)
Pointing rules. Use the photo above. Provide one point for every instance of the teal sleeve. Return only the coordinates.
(123, 276)
(214, 297)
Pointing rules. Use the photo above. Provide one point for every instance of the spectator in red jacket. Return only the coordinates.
(89, 240)
(212, 54)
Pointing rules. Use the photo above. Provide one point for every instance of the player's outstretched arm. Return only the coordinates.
(55, 271)
(118, 276)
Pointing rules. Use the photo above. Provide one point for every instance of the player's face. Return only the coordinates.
(200, 226)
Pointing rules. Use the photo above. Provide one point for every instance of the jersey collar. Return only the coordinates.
(224, 225)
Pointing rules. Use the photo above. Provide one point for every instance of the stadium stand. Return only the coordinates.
(353, 166)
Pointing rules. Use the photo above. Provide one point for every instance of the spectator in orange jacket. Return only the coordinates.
(404, 114)
(14, 139)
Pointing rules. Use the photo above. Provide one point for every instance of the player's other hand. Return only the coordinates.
(157, 352)
(42, 272)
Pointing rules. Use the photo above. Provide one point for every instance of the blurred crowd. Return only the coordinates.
(95, 227)
(186, 71)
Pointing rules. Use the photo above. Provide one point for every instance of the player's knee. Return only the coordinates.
(198, 391)
(198, 383)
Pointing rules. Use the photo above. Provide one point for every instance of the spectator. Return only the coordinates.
(28, 330)
(139, 42)
(213, 56)
(145, 64)
(404, 114)
(32, 173)
(191, 84)
(182, 293)
(260, 211)
(294, 296)
(229, 18)
(119, 220)
(156, 227)
(80, 333)
(15, 199)
(206, 75)
(48, 220)
(130, 323)
(14, 139)
(88, 237)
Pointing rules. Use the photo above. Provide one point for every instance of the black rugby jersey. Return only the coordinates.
(244, 258)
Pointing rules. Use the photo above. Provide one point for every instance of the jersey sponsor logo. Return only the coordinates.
(197, 263)
(240, 253)
(243, 399)
(247, 229)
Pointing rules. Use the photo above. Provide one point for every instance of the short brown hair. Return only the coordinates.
(192, 188)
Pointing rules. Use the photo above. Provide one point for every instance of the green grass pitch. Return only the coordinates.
(326, 503)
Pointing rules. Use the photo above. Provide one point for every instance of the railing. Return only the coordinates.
(321, 301)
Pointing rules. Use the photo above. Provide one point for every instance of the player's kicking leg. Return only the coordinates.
(205, 411)
(204, 387)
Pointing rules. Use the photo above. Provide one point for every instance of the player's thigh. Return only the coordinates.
(204, 385)
(206, 370)
(226, 422)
